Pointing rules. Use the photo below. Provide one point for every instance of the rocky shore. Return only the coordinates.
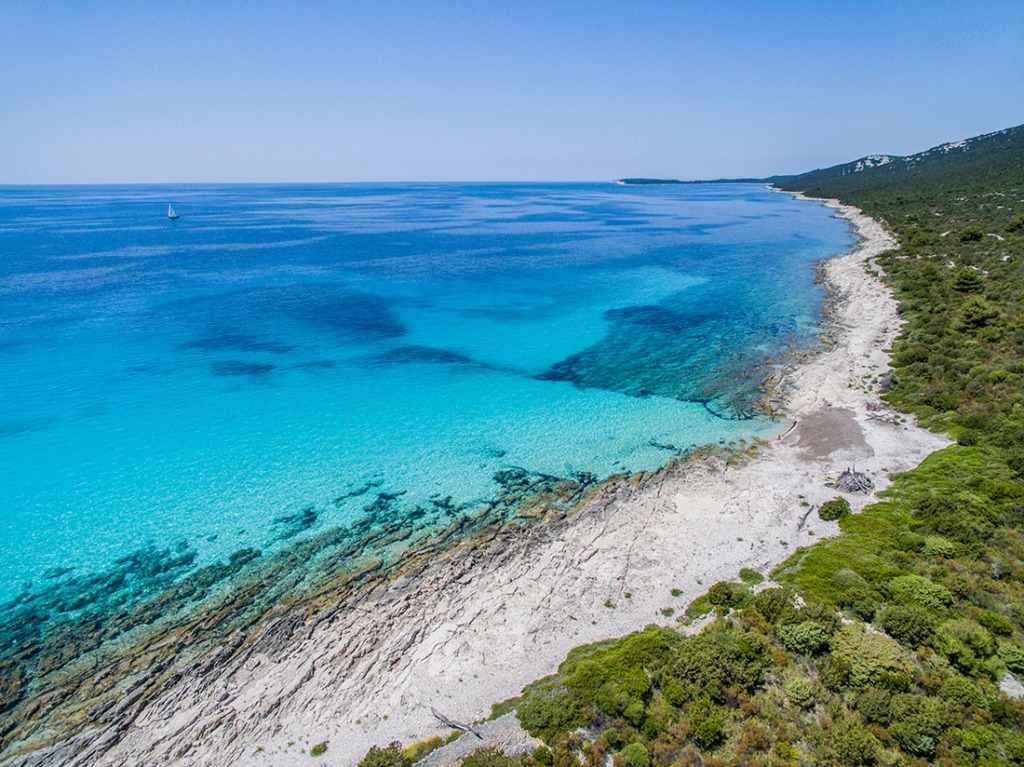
(467, 621)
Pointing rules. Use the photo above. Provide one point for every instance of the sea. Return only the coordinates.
(286, 360)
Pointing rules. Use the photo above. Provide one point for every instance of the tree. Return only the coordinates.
(967, 280)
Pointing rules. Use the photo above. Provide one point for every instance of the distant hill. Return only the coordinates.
(647, 181)
(991, 159)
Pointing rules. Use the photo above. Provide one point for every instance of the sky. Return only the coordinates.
(479, 90)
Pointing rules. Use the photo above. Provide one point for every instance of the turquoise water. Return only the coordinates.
(285, 353)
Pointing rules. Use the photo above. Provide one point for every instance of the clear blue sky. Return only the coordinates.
(101, 91)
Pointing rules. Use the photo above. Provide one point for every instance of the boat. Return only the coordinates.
(170, 212)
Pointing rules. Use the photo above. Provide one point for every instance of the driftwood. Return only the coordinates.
(453, 724)
(852, 481)
(803, 521)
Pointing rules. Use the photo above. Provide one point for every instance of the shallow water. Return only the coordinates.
(280, 358)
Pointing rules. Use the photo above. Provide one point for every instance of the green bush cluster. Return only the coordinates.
(835, 509)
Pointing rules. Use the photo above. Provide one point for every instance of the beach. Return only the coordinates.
(471, 626)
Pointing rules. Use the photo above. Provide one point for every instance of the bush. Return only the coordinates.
(751, 577)
(708, 731)
(967, 280)
(834, 672)
(852, 744)
(390, 756)
(542, 755)
(1013, 656)
(871, 658)
(874, 705)
(489, 756)
(962, 692)
(319, 749)
(937, 546)
(799, 693)
(835, 509)
(421, 748)
(774, 603)
(910, 626)
(918, 722)
(636, 755)
(721, 656)
(725, 594)
(545, 715)
(805, 638)
(966, 645)
(921, 591)
(995, 623)
(971, 233)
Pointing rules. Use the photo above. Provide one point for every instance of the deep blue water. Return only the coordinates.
(283, 348)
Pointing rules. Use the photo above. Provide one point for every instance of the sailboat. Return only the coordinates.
(170, 212)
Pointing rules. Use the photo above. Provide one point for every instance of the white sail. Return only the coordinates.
(170, 211)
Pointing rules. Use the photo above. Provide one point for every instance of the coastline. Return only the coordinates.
(501, 609)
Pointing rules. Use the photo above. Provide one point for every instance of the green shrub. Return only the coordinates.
(851, 744)
(1013, 656)
(967, 280)
(871, 657)
(421, 748)
(909, 625)
(919, 721)
(720, 656)
(971, 233)
(835, 509)
(834, 672)
(966, 645)
(920, 591)
(774, 603)
(969, 438)
(319, 749)
(799, 693)
(875, 705)
(390, 756)
(751, 577)
(995, 623)
(806, 638)
(962, 692)
(636, 755)
(634, 713)
(490, 756)
(726, 594)
(707, 730)
(674, 692)
(937, 546)
(545, 715)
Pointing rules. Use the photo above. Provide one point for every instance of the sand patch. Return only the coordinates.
(831, 433)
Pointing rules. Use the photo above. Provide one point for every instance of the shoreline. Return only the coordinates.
(495, 612)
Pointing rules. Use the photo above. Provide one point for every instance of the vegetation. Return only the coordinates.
(884, 645)
(319, 749)
(835, 509)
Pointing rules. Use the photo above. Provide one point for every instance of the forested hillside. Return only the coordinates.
(886, 645)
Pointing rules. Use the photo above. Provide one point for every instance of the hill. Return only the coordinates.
(988, 161)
